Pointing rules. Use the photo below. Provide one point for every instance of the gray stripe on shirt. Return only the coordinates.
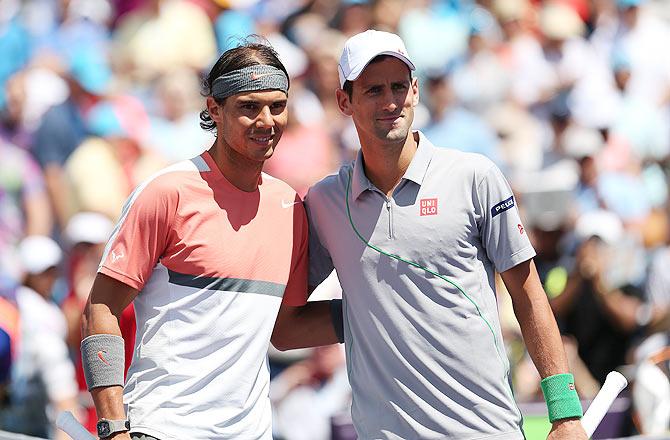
(227, 284)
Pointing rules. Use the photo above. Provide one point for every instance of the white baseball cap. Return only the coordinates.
(360, 49)
(88, 227)
(599, 223)
(38, 253)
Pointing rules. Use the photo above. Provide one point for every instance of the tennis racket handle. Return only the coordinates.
(69, 425)
(614, 383)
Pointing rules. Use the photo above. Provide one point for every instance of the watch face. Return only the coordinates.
(103, 429)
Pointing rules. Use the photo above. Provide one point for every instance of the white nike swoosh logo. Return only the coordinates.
(255, 76)
(287, 204)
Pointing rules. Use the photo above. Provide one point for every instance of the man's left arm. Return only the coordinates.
(541, 335)
(310, 325)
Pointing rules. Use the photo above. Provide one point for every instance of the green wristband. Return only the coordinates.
(561, 397)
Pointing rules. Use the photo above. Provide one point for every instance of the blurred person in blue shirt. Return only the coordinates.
(15, 45)
(454, 126)
(63, 126)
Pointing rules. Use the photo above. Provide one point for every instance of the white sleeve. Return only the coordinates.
(658, 282)
(502, 233)
(56, 368)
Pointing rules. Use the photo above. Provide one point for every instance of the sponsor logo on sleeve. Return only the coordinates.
(520, 226)
(116, 257)
(428, 207)
(502, 206)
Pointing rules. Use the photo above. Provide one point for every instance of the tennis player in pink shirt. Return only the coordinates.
(208, 249)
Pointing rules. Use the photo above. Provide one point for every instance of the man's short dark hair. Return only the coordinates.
(348, 86)
(250, 53)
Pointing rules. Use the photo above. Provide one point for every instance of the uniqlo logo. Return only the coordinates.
(428, 207)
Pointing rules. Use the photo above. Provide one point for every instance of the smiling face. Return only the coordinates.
(382, 102)
(250, 124)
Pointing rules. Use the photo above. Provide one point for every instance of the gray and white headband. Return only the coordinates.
(250, 79)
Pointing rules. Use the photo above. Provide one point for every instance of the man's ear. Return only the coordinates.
(214, 109)
(343, 102)
(415, 90)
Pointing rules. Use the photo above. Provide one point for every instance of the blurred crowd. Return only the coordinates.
(571, 98)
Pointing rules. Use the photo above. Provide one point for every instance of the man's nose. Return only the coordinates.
(390, 103)
(265, 118)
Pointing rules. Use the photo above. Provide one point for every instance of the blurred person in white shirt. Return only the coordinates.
(43, 378)
(635, 30)
(308, 393)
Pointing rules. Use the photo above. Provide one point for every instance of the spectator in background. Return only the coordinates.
(12, 126)
(479, 79)
(452, 125)
(323, 53)
(15, 50)
(641, 124)
(353, 16)
(161, 35)
(9, 338)
(587, 196)
(174, 132)
(520, 137)
(43, 382)
(521, 53)
(440, 24)
(651, 389)
(231, 24)
(31, 92)
(24, 204)
(63, 127)
(85, 234)
(5, 363)
(643, 37)
(306, 395)
(567, 55)
(104, 169)
(594, 307)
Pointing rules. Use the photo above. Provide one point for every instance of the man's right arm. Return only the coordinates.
(105, 304)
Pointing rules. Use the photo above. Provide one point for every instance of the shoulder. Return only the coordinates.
(57, 115)
(334, 184)
(463, 163)
(278, 187)
(169, 182)
(171, 176)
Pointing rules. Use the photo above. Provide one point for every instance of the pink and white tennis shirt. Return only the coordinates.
(212, 264)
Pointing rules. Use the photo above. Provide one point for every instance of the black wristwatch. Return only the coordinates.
(108, 427)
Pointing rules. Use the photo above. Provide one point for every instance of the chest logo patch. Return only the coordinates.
(502, 206)
(428, 206)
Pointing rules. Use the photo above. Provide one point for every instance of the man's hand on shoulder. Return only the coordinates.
(567, 429)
